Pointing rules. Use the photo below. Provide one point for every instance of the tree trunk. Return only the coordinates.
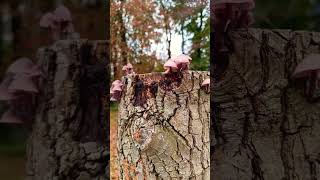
(263, 126)
(69, 136)
(163, 128)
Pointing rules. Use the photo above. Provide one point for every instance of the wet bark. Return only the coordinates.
(69, 136)
(163, 127)
(263, 126)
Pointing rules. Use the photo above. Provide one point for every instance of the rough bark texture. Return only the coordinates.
(69, 136)
(163, 127)
(262, 125)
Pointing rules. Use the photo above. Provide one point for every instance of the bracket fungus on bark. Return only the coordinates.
(308, 71)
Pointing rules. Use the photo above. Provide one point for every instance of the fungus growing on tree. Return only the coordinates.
(128, 69)
(22, 83)
(182, 61)
(206, 85)
(309, 70)
(59, 24)
(170, 66)
(64, 21)
(20, 66)
(47, 21)
(19, 89)
(115, 90)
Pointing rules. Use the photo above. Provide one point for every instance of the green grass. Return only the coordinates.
(113, 106)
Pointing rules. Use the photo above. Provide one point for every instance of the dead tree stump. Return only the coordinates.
(264, 128)
(69, 140)
(163, 127)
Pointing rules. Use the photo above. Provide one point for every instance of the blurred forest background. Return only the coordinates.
(145, 33)
(20, 35)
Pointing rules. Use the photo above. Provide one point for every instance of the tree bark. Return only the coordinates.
(163, 127)
(69, 135)
(262, 126)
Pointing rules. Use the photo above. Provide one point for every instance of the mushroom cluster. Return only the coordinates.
(128, 69)
(116, 90)
(177, 64)
(308, 70)
(19, 89)
(59, 24)
(116, 87)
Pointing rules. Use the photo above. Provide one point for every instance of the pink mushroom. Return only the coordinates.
(21, 65)
(308, 69)
(23, 83)
(128, 69)
(47, 21)
(308, 65)
(35, 71)
(5, 95)
(115, 90)
(62, 14)
(170, 66)
(182, 61)
(206, 85)
(64, 20)
(10, 117)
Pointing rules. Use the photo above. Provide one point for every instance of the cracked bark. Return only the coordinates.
(263, 126)
(68, 139)
(163, 127)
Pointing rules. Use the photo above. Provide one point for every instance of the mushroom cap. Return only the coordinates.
(206, 82)
(129, 66)
(116, 82)
(182, 59)
(63, 14)
(47, 20)
(170, 64)
(23, 83)
(35, 71)
(117, 88)
(21, 65)
(308, 64)
(124, 68)
(10, 117)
